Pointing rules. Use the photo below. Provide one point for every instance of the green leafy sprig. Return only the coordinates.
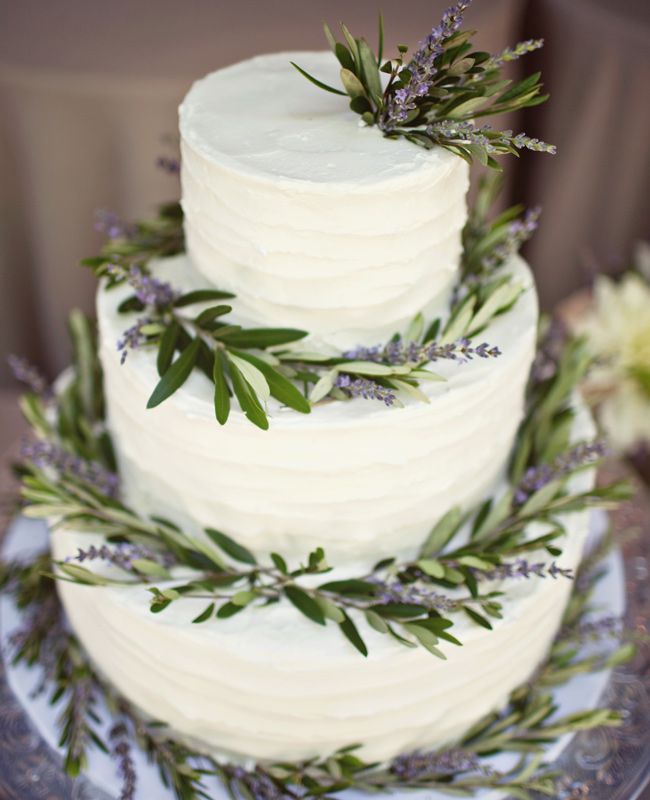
(435, 98)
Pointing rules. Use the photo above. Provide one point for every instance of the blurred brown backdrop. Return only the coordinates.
(88, 97)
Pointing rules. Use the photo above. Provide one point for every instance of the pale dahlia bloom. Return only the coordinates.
(618, 334)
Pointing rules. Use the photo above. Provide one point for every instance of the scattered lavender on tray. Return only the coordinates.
(415, 765)
(257, 784)
(120, 747)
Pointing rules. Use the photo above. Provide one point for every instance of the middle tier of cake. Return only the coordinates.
(357, 478)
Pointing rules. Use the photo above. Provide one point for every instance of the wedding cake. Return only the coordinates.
(315, 221)
(317, 488)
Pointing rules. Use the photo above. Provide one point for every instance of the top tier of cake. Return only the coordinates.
(314, 220)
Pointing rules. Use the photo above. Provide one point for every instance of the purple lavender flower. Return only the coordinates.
(170, 165)
(132, 338)
(258, 784)
(121, 555)
(394, 591)
(112, 225)
(549, 353)
(521, 141)
(46, 455)
(422, 68)
(523, 569)
(607, 627)
(26, 373)
(415, 765)
(519, 231)
(514, 53)
(461, 130)
(536, 478)
(363, 387)
(150, 291)
(121, 753)
(466, 131)
(398, 352)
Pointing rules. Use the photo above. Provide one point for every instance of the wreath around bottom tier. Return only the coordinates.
(594, 760)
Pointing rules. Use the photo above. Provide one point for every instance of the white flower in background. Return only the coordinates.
(618, 334)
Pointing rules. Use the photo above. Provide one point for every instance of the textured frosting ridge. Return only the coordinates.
(269, 684)
(356, 478)
(312, 220)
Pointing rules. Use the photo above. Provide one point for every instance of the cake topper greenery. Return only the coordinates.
(436, 96)
(195, 331)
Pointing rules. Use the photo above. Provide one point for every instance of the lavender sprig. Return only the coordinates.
(257, 784)
(150, 291)
(514, 53)
(120, 742)
(122, 555)
(518, 232)
(172, 166)
(395, 591)
(422, 70)
(112, 225)
(535, 478)
(48, 455)
(399, 352)
(522, 568)
(455, 761)
(493, 142)
(30, 375)
(133, 338)
(364, 387)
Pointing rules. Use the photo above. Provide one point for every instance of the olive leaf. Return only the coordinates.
(221, 390)
(176, 375)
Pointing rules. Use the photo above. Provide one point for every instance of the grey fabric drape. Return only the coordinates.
(88, 93)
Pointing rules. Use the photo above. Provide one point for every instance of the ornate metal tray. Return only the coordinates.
(600, 765)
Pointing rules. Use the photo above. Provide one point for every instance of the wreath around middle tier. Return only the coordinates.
(255, 364)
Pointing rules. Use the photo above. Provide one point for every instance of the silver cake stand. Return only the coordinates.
(612, 764)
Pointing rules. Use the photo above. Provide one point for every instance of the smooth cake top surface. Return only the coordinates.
(262, 118)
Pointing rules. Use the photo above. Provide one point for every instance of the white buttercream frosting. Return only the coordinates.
(312, 219)
(269, 684)
(357, 478)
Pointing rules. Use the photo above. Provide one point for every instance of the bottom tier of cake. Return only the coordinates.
(268, 684)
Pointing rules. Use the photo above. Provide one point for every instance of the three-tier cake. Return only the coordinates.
(315, 221)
